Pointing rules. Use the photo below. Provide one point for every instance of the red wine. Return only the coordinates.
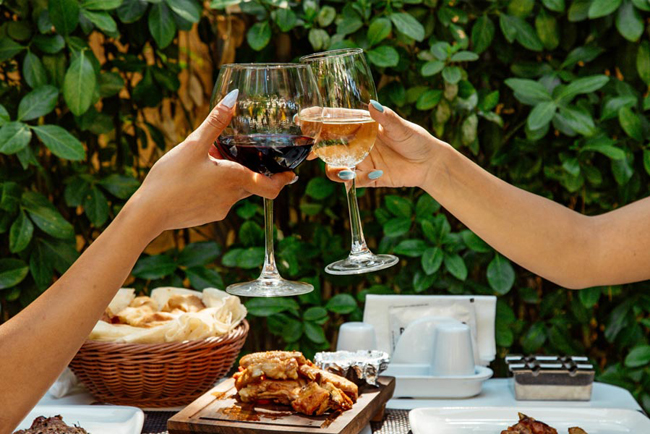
(266, 153)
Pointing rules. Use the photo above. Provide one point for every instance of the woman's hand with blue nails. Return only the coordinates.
(401, 157)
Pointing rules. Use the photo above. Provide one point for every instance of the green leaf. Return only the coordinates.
(452, 74)
(397, 227)
(12, 272)
(45, 216)
(286, 19)
(578, 120)
(383, 56)
(630, 123)
(102, 20)
(189, 10)
(646, 160)
(33, 71)
(320, 188)
(554, 5)
(526, 35)
(411, 248)
(79, 84)
(605, 146)
(20, 233)
(314, 313)
(342, 304)
(426, 206)
(534, 338)
(49, 44)
(432, 68)
(644, 5)
(131, 11)
(10, 197)
(399, 206)
(154, 267)
(314, 332)
(326, 16)
(408, 25)
(259, 35)
(469, 130)
(40, 266)
(14, 137)
(101, 5)
(120, 186)
(582, 86)
(269, 306)
(348, 25)
(541, 115)
(430, 231)
(643, 62)
(441, 50)
(429, 99)
(201, 278)
(60, 142)
(60, 254)
(548, 30)
(455, 265)
(528, 91)
(629, 22)
(252, 257)
(520, 8)
(110, 83)
(9, 48)
(464, 56)
(96, 207)
(579, 10)
(500, 275)
(638, 357)
(64, 15)
(482, 34)
(198, 254)
(4, 115)
(589, 296)
(250, 233)
(475, 243)
(319, 39)
(601, 8)
(37, 103)
(432, 260)
(378, 30)
(161, 24)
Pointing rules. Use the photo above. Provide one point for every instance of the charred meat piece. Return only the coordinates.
(51, 425)
(338, 399)
(274, 369)
(312, 400)
(256, 358)
(314, 373)
(576, 430)
(528, 425)
(280, 391)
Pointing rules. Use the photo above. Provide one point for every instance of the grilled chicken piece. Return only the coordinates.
(314, 373)
(274, 369)
(256, 358)
(51, 425)
(312, 400)
(576, 430)
(280, 391)
(338, 399)
(528, 425)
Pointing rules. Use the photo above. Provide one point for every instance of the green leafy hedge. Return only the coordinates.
(548, 95)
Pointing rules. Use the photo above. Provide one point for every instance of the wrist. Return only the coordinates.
(438, 154)
(137, 214)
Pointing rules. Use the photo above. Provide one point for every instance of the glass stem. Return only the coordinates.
(270, 269)
(359, 246)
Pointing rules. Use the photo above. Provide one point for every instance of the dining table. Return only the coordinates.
(496, 392)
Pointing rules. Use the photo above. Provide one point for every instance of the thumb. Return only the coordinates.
(266, 186)
(217, 120)
(392, 124)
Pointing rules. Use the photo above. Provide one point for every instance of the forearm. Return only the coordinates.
(38, 343)
(538, 234)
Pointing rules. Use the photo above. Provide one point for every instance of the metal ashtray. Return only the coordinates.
(551, 378)
(360, 367)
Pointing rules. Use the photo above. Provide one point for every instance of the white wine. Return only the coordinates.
(346, 136)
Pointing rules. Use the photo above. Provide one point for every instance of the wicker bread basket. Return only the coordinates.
(156, 375)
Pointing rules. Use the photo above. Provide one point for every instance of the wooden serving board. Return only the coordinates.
(219, 411)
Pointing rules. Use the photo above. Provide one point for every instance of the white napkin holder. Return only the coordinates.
(405, 327)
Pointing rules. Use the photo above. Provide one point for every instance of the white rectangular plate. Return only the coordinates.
(492, 420)
(96, 419)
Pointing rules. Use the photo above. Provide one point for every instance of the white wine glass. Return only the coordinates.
(347, 136)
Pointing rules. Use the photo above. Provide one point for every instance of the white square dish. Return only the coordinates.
(96, 419)
(492, 420)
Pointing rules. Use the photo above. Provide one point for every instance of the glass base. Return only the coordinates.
(360, 264)
(269, 288)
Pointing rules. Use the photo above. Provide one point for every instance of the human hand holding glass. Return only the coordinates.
(347, 136)
(264, 136)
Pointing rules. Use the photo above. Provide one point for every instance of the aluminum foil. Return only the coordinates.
(360, 367)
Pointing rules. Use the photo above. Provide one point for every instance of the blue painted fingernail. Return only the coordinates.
(377, 106)
(294, 180)
(230, 99)
(346, 175)
(375, 174)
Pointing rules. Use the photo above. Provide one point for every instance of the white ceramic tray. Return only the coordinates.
(492, 420)
(419, 385)
(96, 419)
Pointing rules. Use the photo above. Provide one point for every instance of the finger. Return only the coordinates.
(217, 120)
(265, 186)
(392, 124)
(360, 174)
(312, 156)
